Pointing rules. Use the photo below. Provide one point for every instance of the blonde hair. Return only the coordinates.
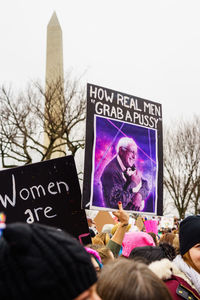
(175, 244)
(113, 230)
(104, 252)
(101, 238)
(187, 258)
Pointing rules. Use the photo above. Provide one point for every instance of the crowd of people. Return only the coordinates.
(119, 264)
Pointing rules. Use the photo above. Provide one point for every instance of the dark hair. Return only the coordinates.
(148, 254)
(92, 233)
(126, 280)
(168, 237)
(154, 236)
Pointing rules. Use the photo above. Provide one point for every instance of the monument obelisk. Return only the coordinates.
(54, 54)
(54, 77)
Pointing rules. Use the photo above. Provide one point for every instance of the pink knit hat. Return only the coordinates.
(134, 239)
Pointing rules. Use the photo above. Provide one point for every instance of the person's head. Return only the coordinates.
(134, 239)
(101, 238)
(104, 252)
(107, 229)
(95, 258)
(91, 222)
(92, 233)
(168, 237)
(126, 280)
(189, 239)
(154, 236)
(172, 239)
(127, 150)
(41, 261)
(149, 254)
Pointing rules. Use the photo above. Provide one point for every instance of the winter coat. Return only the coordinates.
(178, 284)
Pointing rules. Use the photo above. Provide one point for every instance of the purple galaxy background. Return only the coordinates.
(108, 132)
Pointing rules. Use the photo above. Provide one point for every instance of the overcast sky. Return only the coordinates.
(146, 48)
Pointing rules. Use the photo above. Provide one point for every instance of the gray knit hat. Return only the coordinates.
(40, 261)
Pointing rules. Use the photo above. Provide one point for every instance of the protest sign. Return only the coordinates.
(151, 226)
(46, 192)
(111, 116)
(102, 218)
(166, 222)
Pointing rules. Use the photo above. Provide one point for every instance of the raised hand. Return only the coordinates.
(121, 214)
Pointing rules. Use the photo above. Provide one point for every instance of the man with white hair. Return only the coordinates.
(121, 181)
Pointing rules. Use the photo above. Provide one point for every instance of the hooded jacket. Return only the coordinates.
(177, 282)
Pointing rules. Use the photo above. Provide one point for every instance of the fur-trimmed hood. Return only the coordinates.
(165, 268)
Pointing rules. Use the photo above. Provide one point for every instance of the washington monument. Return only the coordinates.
(54, 78)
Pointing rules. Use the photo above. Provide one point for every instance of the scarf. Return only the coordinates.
(191, 273)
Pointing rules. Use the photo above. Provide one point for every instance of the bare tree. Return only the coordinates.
(182, 163)
(27, 118)
(195, 198)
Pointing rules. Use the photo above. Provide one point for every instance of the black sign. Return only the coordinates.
(114, 120)
(46, 192)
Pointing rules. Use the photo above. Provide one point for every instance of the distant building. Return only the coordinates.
(54, 75)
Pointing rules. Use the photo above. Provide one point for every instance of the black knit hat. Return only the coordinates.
(41, 261)
(189, 233)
